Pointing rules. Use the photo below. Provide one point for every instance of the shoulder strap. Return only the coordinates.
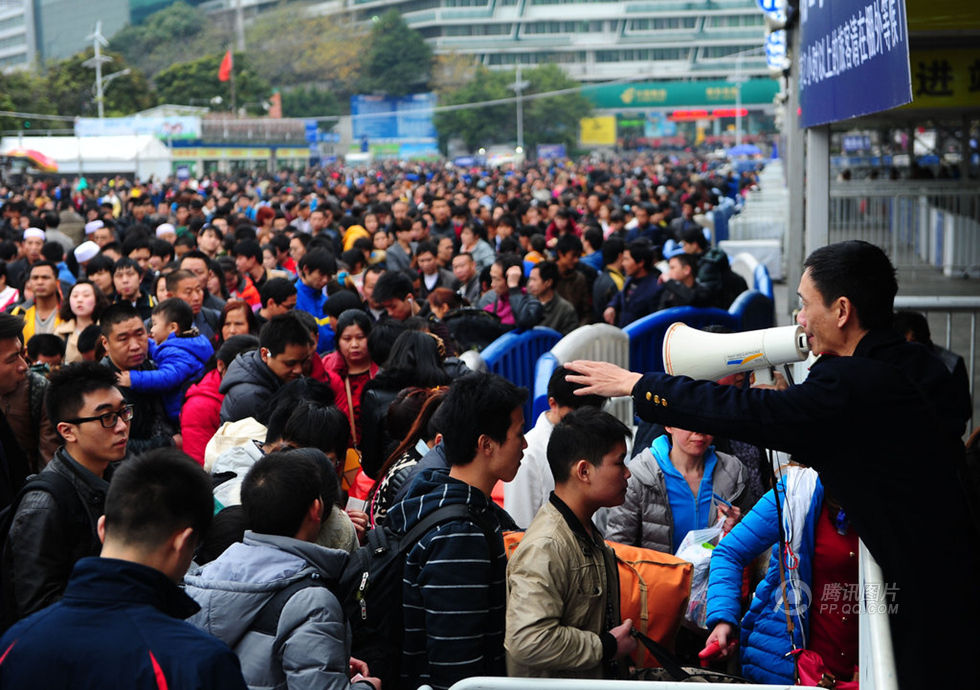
(267, 619)
(57, 485)
(445, 514)
(663, 655)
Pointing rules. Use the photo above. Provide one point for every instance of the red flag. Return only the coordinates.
(224, 72)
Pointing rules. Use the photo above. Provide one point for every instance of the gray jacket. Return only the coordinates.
(247, 387)
(311, 648)
(645, 519)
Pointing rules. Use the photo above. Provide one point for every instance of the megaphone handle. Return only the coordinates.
(764, 376)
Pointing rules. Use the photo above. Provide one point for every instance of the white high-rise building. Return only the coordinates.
(16, 34)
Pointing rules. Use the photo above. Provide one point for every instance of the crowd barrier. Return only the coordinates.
(513, 356)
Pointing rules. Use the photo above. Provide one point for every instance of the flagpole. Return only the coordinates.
(234, 108)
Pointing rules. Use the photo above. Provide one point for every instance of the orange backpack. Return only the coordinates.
(653, 590)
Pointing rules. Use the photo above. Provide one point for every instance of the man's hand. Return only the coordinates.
(602, 378)
(625, 643)
(178, 441)
(609, 315)
(358, 666)
(724, 636)
(122, 378)
(778, 383)
(514, 274)
(360, 520)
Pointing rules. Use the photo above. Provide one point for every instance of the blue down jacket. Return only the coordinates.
(763, 639)
(180, 360)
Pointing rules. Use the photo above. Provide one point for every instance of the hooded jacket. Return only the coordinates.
(247, 386)
(645, 517)
(200, 416)
(179, 360)
(453, 586)
(311, 647)
(117, 625)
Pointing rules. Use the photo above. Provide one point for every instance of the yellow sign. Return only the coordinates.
(598, 131)
(945, 78)
(221, 153)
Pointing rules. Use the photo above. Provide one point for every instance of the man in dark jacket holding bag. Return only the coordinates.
(877, 418)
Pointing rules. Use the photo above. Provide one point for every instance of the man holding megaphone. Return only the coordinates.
(876, 417)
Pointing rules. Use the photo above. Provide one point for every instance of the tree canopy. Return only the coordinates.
(196, 83)
(398, 61)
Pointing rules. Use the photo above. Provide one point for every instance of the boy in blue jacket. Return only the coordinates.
(180, 353)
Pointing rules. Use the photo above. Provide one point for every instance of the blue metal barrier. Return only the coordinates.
(647, 334)
(545, 367)
(761, 280)
(513, 356)
(753, 310)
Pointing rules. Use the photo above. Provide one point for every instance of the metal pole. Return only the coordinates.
(99, 96)
(738, 100)
(794, 183)
(817, 187)
(239, 26)
(520, 111)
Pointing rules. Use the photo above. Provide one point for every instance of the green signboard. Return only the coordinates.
(680, 94)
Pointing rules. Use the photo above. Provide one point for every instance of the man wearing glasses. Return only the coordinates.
(52, 529)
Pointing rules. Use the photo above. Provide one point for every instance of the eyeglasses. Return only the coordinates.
(108, 419)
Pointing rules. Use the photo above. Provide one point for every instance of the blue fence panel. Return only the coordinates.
(647, 334)
(514, 355)
(753, 310)
(547, 363)
(761, 280)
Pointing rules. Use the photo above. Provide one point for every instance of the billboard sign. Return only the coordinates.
(166, 128)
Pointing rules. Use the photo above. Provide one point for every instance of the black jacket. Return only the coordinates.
(882, 427)
(46, 539)
(150, 427)
(247, 386)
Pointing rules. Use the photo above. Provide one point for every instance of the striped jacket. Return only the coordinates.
(454, 591)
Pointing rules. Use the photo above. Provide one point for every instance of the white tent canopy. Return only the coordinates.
(141, 155)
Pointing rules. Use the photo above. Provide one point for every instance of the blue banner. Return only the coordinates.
(379, 117)
(853, 58)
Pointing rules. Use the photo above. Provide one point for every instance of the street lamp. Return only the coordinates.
(518, 86)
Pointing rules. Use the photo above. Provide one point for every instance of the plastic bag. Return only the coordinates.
(696, 549)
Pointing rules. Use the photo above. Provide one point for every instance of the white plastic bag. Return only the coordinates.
(697, 547)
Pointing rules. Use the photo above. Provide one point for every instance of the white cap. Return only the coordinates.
(93, 226)
(34, 232)
(86, 251)
(166, 229)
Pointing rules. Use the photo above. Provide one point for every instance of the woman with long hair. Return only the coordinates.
(352, 364)
(81, 308)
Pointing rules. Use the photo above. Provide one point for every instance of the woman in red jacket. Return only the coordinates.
(351, 365)
(200, 415)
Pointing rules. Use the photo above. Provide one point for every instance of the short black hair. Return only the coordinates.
(477, 404)
(134, 242)
(278, 491)
(353, 317)
(156, 494)
(116, 314)
(176, 310)
(859, 271)
(64, 396)
(914, 322)
(248, 248)
(99, 263)
(612, 248)
(392, 285)
(282, 330)
(427, 247)
(276, 289)
(563, 391)
(161, 248)
(568, 243)
(312, 425)
(585, 434)
(688, 260)
(194, 254)
(642, 252)
(11, 326)
(89, 338)
(53, 251)
(125, 262)
(594, 237)
(46, 344)
(548, 270)
(38, 264)
(174, 278)
(319, 260)
(694, 236)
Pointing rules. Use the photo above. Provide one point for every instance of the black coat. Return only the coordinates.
(883, 430)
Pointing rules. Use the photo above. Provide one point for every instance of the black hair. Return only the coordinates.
(161, 248)
(276, 411)
(694, 236)
(64, 397)
(312, 425)
(508, 245)
(594, 237)
(134, 242)
(99, 263)
(477, 404)
(174, 278)
(353, 317)
(859, 271)
(88, 339)
(612, 248)
(584, 434)
(53, 251)
(248, 248)
(915, 322)
(563, 391)
(46, 344)
(352, 257)
(278, 491)
(382, 337)
(548, 270)
(319, 260)
(156, 494)
(195, 254)
(234, 346)
(687, 259)
(176, 310)
(642, 252)
(276, 289)
(280, 331)
(116, 314)
(125, 262)
(11, 326)
(416, 353)
(303, 238)
(392, 285)
(427, 247)
(43, 262)
(568, 243)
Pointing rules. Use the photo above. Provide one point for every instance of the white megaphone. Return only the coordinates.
(711, 356)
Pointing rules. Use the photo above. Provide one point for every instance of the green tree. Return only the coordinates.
(24, 91)
(310, 101)
(70, 86)
(398, 60)
(168, 36)
(196, 83)
(553, 120)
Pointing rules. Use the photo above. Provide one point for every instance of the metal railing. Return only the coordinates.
(918, 223)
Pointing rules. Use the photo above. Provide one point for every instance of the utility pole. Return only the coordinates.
(98, 41)
(239, 26)
(518, 87)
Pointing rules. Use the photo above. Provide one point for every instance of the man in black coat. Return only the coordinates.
(877, 418)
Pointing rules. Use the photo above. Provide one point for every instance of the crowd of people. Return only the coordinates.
(229, 382)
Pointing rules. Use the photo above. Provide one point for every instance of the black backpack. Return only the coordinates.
(267, 619)
(69, 505)
(372, 588)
